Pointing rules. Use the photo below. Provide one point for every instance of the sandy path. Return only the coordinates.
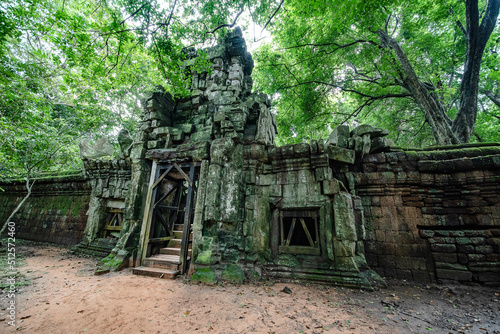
(65, 297)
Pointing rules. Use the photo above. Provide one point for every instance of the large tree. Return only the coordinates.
(410, 61)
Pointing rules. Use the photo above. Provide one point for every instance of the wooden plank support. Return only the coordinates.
(290, 233)
(184, 174)
(154, 240)
(187, 222)
(146, 222)
(167, 194)
(311, 242)
(159, 179)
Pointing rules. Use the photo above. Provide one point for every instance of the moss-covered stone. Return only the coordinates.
(204, 275)
(112, 262)
(341, 154)
(233, 273)
(205, 251)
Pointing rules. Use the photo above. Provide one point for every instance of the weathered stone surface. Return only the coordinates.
(457, 275)
(331, 187)
(175, 133)
(221, 150)
(125, 141)
(369, 130)
(233, 273)
(340, 154)
(380, 144)
(345, 224)
(204, 275)
(339, 136)
(246, 182)
(266, 126)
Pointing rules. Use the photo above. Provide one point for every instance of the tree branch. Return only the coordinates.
(133, 14)
(228, 25)
(461, 27)
(430, 106)
(338, 46)
(272, 16)
(493, 97)
(169, 16)
(373, 97)
(28, 188)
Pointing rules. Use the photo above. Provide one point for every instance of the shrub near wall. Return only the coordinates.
(434, 214)
(55, 212)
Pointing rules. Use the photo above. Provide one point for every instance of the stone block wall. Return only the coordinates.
(109, 180)
(55, 212)
(433, 214)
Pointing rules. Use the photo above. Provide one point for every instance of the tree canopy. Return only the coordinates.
(415, 67)
(428, 71)
(73, 68)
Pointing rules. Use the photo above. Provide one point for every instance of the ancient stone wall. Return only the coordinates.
(109, 180)
(55, 212)
(433, 214)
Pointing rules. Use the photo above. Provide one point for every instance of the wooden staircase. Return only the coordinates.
(166, 264)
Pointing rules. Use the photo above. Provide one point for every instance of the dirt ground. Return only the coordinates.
(65, 297)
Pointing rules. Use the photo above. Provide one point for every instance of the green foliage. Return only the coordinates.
(329, 66)
(58, 82)
(71, 69)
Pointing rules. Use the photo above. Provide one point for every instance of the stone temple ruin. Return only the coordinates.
(209, 192)
(203, 190)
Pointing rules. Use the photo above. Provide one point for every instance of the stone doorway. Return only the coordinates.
(169, 213)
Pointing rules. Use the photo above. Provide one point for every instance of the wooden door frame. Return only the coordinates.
(154, 181)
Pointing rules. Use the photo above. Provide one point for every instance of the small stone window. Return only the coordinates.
(299, 232)
(114, 223)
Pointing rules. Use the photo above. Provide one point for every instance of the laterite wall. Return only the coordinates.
(55, 212)
(433, 214)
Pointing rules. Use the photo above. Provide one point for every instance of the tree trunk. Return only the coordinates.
(477, 36)
(460, 130)
(431, 107)
(495, 98)
(29, 187)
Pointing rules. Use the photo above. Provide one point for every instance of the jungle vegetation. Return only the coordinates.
(429, 71)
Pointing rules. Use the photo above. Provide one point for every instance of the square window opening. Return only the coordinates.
(299, 232)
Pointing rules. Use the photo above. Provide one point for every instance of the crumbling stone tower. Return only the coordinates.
(211, 194)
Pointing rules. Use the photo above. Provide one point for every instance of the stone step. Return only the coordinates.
(343, 278)
(155, 272)
(180, 227)
(163, 261)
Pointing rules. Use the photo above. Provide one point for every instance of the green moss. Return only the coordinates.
(288, 260)
(233, 273)
(253, 275)
(77, 207)
(205, 251)
(204, 275)
(110, 262)
(204, 257)
(412, 155)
